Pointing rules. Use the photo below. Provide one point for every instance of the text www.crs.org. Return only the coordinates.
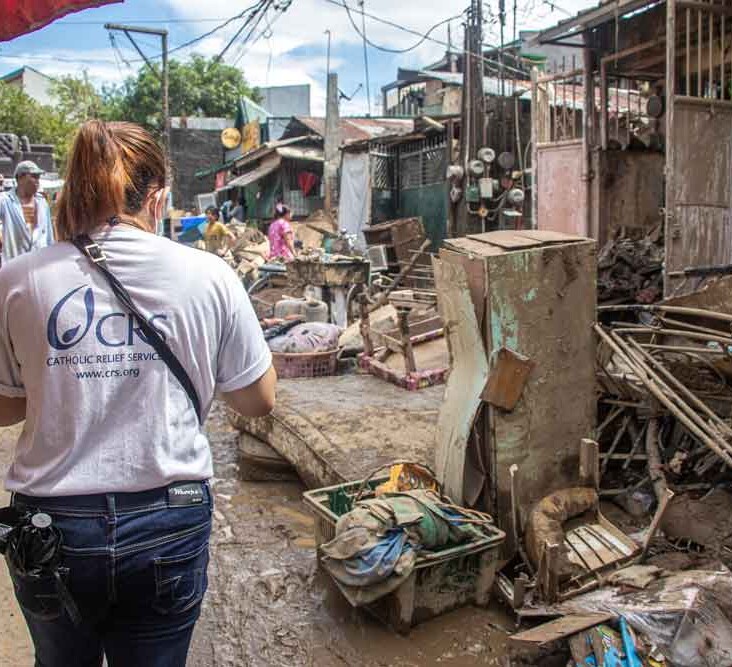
(109, 373)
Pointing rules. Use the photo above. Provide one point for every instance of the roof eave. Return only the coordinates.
(588, 19)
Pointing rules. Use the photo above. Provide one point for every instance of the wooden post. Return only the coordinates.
(535, 119)
(670, 212)
(589, 463)
(365, 325)
(409, 362)
(587, 139)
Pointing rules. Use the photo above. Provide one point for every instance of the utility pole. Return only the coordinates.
(473, 111)
(327, 59)
(361, 4)
(161, 76)
(331, 152)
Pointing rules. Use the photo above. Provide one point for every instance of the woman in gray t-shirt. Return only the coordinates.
(113, 449)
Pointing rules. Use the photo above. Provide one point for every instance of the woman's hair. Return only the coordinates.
(112, 169)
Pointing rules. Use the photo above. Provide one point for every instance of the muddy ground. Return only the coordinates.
(267, 605)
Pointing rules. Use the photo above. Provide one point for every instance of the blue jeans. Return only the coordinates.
(135, 564)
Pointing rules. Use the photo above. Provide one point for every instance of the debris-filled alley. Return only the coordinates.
(444, 383)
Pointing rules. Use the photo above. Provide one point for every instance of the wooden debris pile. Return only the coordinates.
(631, 271)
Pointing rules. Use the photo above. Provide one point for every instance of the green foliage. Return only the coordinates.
(76, 98)
(199, 87)
(22, 115)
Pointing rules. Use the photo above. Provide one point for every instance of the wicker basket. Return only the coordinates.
(305, 365)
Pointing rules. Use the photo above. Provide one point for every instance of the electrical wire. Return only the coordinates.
(387, 49)
(255, 10)
(247, 45)
(195, 40)
(341, 3)
(200, 38)
(268, 28)
(144, 22)
(61, 59)
(117, 52)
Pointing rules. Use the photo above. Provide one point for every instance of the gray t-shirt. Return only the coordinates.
(104, 413)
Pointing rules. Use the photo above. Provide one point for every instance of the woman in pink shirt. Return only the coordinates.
(281, 236)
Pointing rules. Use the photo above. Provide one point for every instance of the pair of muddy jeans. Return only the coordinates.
(135, 564)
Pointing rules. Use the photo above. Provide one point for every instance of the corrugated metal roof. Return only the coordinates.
(358, 129)
(303, 154)
(591, 18)
(491, 84)
(270, 164)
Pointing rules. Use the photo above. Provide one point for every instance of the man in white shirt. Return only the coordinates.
(25, 216)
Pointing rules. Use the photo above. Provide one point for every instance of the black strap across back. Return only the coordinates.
(91, 250)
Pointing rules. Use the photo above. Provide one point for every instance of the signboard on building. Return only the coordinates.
(250, 137)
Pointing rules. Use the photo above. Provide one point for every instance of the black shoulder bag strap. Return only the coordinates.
(96, 255)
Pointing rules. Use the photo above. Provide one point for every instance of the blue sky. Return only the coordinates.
(292, 51)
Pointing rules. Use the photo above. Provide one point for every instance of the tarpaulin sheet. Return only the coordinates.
(355, 200)
(19, 17)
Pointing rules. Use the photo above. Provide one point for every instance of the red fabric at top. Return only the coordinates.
(18, 17)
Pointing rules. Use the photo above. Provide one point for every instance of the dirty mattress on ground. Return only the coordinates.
(340, 428)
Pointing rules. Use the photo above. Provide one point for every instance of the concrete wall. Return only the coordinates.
(286, 100)
(191, 150)
(34, 84)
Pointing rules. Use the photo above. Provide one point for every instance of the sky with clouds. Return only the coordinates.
(291, 46)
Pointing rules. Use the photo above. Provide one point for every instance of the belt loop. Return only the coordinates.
(111, 505)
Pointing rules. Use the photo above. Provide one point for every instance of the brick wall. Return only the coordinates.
(191, 150)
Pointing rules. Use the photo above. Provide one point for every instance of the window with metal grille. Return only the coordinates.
(423, 163)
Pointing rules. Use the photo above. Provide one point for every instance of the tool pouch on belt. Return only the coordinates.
(32, 546)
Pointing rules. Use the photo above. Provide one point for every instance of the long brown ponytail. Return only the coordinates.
(112, 169)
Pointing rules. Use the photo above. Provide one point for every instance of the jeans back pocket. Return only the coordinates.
(180, 581)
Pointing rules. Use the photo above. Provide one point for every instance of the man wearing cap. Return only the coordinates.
(24, 214)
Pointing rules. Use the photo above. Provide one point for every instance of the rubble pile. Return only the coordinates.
(249, 251)
(666, 399)
(631, 270)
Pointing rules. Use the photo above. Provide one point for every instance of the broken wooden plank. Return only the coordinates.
(506, 239)
(508, 376)
(467, 377)
(560, 628)
(548, 236)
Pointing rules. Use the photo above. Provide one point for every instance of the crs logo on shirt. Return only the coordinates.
(102, 326)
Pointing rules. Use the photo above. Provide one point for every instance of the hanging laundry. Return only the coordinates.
(307, 181)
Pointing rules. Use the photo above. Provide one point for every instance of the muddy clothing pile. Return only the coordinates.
(377, 542)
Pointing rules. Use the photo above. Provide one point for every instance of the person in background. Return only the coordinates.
(218, 239)
(280, 234)
(238, 213)
(25, 216)
(226, 208)
(113, 449)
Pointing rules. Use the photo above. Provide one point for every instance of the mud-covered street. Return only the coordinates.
(266, 602)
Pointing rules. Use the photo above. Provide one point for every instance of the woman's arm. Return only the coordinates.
(12, 410)
(256, 400)
(290, 241)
